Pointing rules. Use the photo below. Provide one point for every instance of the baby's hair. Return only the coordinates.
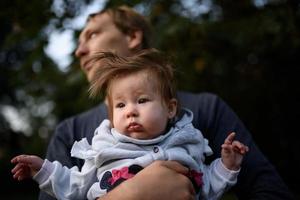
(109, 66)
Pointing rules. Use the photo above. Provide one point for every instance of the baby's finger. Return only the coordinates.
(244, 149)
(226, 147)
(17, 167)
(19, 158)
(229, 138)
(22, 177)
(240, 147)
(14, 159)
(18, 174)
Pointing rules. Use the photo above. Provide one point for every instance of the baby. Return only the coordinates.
(145, 124)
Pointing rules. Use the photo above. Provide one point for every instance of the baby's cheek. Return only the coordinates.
(117, 123)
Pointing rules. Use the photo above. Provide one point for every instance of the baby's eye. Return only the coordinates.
(120, 105)
(143, 100)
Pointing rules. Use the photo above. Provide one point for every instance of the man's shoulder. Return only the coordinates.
(204, 106)
(202, 98)
(100, 109)
(96, 114)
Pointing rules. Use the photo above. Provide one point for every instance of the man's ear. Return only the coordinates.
(134, 40)
(172, 108)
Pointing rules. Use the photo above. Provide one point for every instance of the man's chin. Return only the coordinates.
(89, 78)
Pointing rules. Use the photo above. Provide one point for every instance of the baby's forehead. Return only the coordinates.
(145, 76)
(135, 84)
(134, 93)
(138, 83)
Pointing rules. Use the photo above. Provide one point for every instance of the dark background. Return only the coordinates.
(247, 52)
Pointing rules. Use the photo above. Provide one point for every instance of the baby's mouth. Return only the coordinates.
(134, 127)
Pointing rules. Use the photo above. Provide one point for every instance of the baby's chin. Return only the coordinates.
(139, 135)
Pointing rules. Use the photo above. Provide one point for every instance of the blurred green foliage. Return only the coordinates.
(247, 52)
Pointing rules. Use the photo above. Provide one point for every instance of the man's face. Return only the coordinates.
(100, 34)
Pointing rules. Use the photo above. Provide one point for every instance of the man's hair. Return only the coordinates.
(127, 21)
(110, 66)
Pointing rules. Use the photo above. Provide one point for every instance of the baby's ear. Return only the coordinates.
(172, 107)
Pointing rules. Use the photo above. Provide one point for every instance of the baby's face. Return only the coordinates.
(137, 108)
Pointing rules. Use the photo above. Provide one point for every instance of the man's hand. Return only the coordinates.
(160, 180)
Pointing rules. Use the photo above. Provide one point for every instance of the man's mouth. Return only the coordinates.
(86, 65)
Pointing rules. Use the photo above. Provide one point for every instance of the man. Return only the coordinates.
(123, 31)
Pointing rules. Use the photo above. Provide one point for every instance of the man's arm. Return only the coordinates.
(258, 179)
(160, 180)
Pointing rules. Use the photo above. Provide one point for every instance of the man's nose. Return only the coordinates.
(81, 50)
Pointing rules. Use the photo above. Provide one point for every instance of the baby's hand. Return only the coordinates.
(26, 166)
(233, 152)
